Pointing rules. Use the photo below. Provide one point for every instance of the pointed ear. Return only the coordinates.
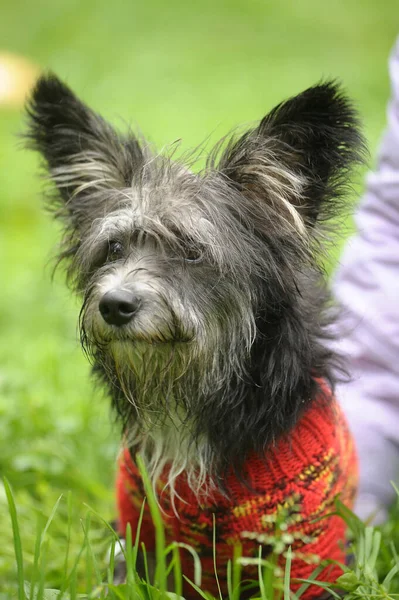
(299, 156)
(85, 157)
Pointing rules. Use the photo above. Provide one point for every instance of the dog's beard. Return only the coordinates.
(164, 388)
(155, 377)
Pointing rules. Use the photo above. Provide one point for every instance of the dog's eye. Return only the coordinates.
(115, 251)
(192, 255)
(187, 246)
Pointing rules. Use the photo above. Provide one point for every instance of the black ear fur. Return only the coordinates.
(314, 135)
(60, 124)
(63, 129)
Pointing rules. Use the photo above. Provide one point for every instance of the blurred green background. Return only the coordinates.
(173, 69)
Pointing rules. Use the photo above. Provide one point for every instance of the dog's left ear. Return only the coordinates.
(299, 154)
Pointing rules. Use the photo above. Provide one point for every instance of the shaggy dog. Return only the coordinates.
(206, 317)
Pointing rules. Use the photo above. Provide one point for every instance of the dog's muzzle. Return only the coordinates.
(118, 307)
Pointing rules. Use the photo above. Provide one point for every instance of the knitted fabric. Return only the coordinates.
(297, 480)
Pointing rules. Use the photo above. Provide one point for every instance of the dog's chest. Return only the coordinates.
(295, 484)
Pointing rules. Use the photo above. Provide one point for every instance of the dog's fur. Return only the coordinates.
(225, 350)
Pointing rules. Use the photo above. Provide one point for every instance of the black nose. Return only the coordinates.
(117, 307)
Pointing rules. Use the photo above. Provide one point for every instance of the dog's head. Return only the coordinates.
(201, 292)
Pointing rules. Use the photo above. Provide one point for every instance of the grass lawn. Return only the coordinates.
(176, 70)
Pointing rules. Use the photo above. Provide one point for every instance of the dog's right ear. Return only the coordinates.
(84, 155)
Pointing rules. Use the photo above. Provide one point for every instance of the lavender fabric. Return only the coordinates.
(367, 285)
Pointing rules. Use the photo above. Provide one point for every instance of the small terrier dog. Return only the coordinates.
(206, 317)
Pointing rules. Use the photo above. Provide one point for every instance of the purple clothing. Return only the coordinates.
(367, 285)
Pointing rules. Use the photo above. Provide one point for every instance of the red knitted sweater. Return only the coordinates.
(307, 469)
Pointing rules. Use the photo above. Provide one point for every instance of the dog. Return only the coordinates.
(206, 316)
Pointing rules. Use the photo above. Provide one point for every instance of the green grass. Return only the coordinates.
(175, 69)
(366, 577)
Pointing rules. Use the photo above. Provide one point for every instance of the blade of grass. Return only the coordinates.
(368, 541)
(160, 569)
(322, 585)
(36, 555)
(137, 538)
(130, 576)
(177, 572)
(70, 580)
(387, 581)
(89, 565)
(196, 559)
(90, 553)
(73, 585)
(214, 556)
(111, 563)
(229, 580)
(361, 559)
(268, 573)
(394, 552)
(356, 526)
(42, 583)
(117, 591)
(287, 575)
(145, 563)
(237, 570)
(196, 588)
(69, 528)
(260, 577)
(108, 526)
(375, 548)
(40, 536)
(313, 575)
(17, 539)
(51, 517)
